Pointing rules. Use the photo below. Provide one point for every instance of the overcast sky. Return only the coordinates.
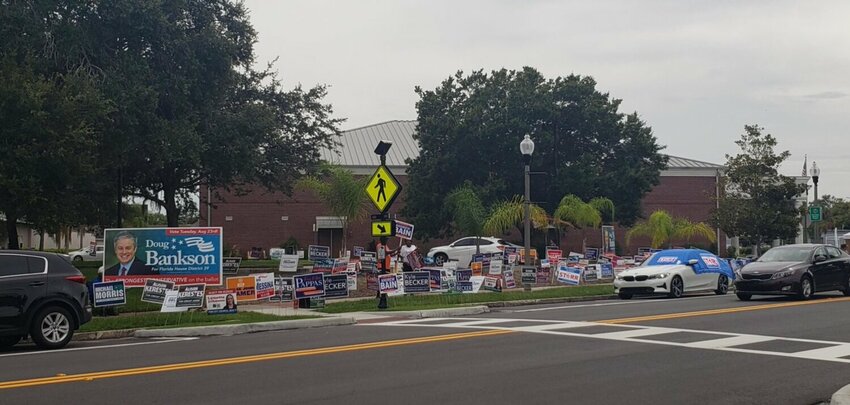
(696, 71)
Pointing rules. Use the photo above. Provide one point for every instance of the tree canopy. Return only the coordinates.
(144, 98)
(757, 202)
(469, 129)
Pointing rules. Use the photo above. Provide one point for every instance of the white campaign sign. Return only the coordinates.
(288, 263)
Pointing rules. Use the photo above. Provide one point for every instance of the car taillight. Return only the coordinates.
(77, 279)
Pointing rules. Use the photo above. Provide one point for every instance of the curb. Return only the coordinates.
(104, 334)
(436, 313)
(540, 301)
(239, 329)
(841, 397)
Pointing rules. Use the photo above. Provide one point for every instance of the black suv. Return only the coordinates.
(41, 295)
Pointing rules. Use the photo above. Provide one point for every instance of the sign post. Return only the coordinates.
(382, 190)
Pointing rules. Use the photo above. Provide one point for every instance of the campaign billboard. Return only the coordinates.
(180, 255)
(109, 293)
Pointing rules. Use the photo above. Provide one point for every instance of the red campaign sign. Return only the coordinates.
(192, 231)
(554, 255)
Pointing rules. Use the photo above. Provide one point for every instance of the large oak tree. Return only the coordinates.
(469, 130)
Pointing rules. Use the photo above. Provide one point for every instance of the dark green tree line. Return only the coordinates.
(469, 129)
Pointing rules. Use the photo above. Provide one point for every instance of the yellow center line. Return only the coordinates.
(242, 359)
(721, 311)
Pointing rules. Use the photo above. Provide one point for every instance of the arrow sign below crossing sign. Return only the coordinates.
(383, 228)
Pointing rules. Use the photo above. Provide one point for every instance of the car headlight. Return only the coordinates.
(782, 274)
(657, 276)
(619, 277)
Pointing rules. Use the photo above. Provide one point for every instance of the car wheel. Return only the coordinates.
(722, 285)
(440, 259)
(625, 296)
(77, 259)
(806, 288)
(52, 328)
(9, 341)
(744, 297)
(677, 287)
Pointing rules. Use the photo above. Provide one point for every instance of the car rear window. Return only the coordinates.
(36, 265)
(11, 265)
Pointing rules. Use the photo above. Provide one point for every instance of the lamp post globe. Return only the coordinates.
(526, 147)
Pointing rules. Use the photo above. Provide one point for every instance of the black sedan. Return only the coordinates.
(799, 270)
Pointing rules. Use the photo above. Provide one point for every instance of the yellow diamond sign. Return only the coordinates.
(382, 188)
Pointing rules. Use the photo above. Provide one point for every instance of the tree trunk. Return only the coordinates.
(41, 241)
(12, 231)
(172, 214)
(82, 233)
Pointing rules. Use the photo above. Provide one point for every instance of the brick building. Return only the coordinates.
(687, 188)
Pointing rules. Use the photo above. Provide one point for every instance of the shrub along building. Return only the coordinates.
(264, 220)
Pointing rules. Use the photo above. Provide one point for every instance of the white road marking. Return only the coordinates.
(714, 340)
(75, 349)
(605, 304)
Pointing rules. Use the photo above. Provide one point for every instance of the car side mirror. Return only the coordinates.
(820, 258)
(692, 262)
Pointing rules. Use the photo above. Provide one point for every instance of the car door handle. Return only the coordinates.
(36, 284)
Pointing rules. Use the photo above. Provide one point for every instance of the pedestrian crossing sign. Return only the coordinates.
(382, 188)
(383, 228)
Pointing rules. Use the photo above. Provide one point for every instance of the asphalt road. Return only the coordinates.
(695, 350)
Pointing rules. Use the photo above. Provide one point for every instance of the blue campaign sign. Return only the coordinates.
(606, 270)
(318, 252)
(179, 255)
(403, 230)
(591, 253)
(109, 293)
(336, 285)
(463, 275)
(357, 251)
(417, 281)
(706, 262)
(309, 285)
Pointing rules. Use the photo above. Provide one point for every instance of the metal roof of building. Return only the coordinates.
(357, 147)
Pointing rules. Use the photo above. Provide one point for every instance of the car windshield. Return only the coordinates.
(786, 254)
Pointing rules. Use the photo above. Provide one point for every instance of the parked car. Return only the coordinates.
(800, 270)
(87, 254)
(43, 296)
(462, 250)
(674, 272)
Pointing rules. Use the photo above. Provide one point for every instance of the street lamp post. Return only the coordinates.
(815, 172)
(527, 149)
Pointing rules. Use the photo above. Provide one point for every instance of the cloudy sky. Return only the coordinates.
(696, 71)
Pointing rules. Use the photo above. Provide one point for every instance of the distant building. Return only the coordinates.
(687, 189)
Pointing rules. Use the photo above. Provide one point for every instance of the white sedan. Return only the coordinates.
(462, 250)
(673, 273)
(87, 254)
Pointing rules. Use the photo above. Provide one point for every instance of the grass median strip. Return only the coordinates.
(180, 319)
(435, 301)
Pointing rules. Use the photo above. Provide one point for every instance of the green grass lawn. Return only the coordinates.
(171, 320)
(418, 302)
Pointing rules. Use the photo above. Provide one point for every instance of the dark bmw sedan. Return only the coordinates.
(799, 270)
